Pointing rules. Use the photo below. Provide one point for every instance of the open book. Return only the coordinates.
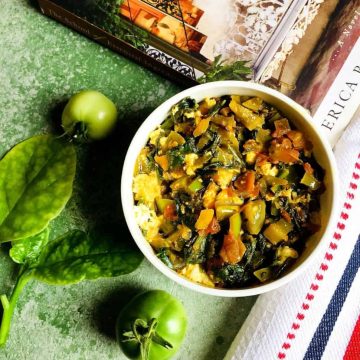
(204, 40)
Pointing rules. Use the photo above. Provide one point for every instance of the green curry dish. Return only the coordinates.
(236, 193)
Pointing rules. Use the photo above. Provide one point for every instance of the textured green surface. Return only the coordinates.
(42, 63)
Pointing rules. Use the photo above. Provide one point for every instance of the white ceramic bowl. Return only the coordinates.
(298, 116)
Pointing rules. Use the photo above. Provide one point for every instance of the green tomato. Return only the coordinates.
(89, 114)
(151, 326)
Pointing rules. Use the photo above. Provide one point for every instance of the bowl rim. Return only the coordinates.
(141, 136)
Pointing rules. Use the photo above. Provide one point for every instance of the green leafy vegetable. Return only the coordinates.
(176, 155)
(77, 256)
(182, 111)
(26, 251)
(163, 255)
(74, 257)
(36, 179)
(196, 254)
(220, 71)
(231, 274)
(215, 109)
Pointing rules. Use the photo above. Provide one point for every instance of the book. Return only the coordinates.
(195, 41)
(329, 85)
(192, 37)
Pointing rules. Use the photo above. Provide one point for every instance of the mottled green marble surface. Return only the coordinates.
(41, 64)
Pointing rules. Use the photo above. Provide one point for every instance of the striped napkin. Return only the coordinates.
(316, 316)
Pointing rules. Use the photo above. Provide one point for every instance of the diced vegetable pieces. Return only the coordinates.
(235, 225)
(285, 215)
(201, 127)
(252, 145)
(263, 136)
(167, 124)
(210, 195)
(228, 122)
(297, 138)
(273, 180)
(159, 242)
(254, 215)
(246, 184)
(191, 164)
(278, 231)
(173, 140)
(283, 253)
(310, 181)
(223, 177)
(232, 250)
(214, 227)
(228, 138)
(142, 183)
(308, 168)
(232, 201)
(203, 141)
(167, 227)
(282, 127)
(180, 184)
(204, 219)
(162, 203)
(196, 273)
(283, 151)
(196, 185)
(225, 111)
(228, 196)
(254, 103)
(263, 274)
(177, 239)
(203, 107)
(162, 161)
(274, 211)
(250, 157)
(284, 173)
(184, 128)
(142, 164)
(225, 211)
(197, 253)
(170, 212)
(247, 117)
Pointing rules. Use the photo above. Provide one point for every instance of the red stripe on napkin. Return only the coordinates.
(353, 349)
(344, 215)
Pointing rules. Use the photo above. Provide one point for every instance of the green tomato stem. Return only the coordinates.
(144, 333)
(9, 306)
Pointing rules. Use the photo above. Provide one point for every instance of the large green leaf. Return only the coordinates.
(26, 251)
(36, 179)
(77, 256)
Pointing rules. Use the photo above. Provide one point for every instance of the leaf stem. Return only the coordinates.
(144, 333)
(9, 306)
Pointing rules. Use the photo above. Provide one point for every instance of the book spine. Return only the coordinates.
(82, 26)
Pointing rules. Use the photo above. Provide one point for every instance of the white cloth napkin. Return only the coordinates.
(314, 315)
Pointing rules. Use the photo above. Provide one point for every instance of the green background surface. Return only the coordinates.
(42, 63)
